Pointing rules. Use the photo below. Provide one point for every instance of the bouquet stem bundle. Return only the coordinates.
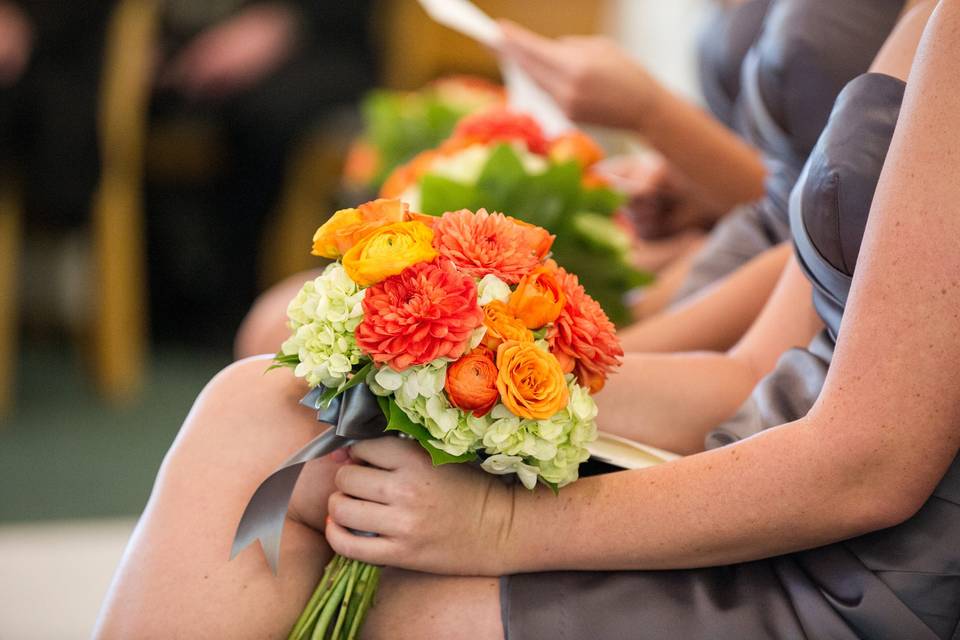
(340, 603)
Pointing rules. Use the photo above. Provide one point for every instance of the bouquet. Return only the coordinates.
(468, 338)
(503, 161)
(399, 124)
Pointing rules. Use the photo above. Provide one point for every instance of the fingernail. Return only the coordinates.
(340, 455)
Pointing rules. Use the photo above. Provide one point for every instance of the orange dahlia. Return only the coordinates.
(426, 312)
(481, 243)
(582, 338)
(499, 125)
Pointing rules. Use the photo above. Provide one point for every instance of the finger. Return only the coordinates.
(365, 483)
(361, 515)
(386, 453)
(372, 550)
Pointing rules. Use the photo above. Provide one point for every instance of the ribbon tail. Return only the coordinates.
(266, 513)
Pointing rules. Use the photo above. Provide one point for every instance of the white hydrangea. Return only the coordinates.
(323, 317)
(501, 464)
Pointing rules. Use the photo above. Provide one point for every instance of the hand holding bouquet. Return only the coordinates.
(474, 342)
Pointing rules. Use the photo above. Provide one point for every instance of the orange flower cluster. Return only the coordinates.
(484, 243)
(420, 304)
(583, 338)
(426, 312)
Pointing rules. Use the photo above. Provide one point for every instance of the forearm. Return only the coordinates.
(785, 490)
(671, 401)
(718, 318)
(729, 170)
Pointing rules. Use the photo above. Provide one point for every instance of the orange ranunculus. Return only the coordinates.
(538, 299)
(530, 381)
(502, 326)
(388, 251)
(577, 146)
(472, 382)
(347, 227)
(537, 237)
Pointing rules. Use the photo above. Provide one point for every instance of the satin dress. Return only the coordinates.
(805, 54)
(898, 583)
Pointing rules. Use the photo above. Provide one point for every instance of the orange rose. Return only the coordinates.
(347, 227)
(538, 299)
(472, 382)
(537, 237)
(502, 325)
(530, 381)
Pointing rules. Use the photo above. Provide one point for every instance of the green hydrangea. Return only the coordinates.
(323, 318)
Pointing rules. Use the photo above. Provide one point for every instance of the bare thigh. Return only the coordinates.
(175, 579)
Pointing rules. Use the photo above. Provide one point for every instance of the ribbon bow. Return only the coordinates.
(354, 415)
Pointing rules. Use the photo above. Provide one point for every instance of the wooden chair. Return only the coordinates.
(10, 239)
(120, 326)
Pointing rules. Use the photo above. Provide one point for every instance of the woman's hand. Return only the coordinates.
(450, 519)
(16, 43)
(591, 78)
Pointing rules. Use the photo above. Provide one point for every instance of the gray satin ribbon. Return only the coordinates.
(354, 415)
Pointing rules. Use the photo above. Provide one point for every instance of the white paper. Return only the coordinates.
(523, 94)
(627, 454)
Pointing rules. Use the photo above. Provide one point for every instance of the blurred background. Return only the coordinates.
(161, 162)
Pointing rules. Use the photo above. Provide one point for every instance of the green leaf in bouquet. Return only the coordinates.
(358, 376)
(602, 200)
(601, 233)
(284, 360)
(400, 421)
(501, 179)
(553, 486)
(547, 199)
(439, 195)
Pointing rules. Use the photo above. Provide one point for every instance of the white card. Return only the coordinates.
(523, 93)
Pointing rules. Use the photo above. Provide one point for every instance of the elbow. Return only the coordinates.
(882, 512)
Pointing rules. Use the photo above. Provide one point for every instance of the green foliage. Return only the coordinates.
(399, 421)
(588, 242)
(401, 125)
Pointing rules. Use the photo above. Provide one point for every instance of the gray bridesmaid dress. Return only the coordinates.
(897, 583)
(807, 51)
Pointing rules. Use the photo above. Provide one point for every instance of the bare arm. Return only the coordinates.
(717, 318)
(877, 442)
(672, 400)
(595, 81)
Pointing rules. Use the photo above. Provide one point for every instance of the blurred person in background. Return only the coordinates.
(264, 72)
(267, 72)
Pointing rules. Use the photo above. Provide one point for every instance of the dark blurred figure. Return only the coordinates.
(50, 60)
(266, 72)
(263, 72)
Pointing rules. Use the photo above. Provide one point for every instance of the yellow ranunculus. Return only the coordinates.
(347, 227)
(388, 251)
(530, 381)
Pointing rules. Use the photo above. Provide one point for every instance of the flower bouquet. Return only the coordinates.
(399, 124)
(465, 336)
(503, 161)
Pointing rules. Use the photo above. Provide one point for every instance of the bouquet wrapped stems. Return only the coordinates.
(340, 603)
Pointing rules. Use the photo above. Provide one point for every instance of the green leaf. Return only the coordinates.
(602, 200)
(400, 421)
(501, 178)
(284, 360)
(549, 198)
(358, 376)
(439, 195)
(552, 485)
